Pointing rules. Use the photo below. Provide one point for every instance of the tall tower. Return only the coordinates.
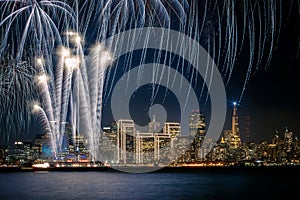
(235, 121)
(197, 124)
(235, 141)
(197, 132)
(125, 139)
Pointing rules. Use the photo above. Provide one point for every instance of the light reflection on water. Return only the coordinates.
(112, 185)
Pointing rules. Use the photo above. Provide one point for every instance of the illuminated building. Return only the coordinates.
(4, 151)
(181, 148)
(125, 139)
(153, 148)
(197, 124)
(108, 144)
(172, 129)
(81, 151)
(47, 148)
(232, 137)
(236, 140)
(197, 132)
(37, 147)
(18, 151)
(68, 148)
(288, 139)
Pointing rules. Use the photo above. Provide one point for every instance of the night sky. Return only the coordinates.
(271, 96)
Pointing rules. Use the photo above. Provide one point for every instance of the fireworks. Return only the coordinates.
(54, 37)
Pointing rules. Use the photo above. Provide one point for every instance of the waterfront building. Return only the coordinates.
(288, 139)
(232, 137)
(108, 144)
(47, 147)
(172, 129)
(125, 139)
(197, 134)
(81, 151)
(4, 152)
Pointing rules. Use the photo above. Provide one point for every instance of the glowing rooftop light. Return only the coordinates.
(234, 103)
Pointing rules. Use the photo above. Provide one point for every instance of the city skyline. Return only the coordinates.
(123, 145)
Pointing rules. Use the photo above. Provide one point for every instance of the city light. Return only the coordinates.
(41, 165)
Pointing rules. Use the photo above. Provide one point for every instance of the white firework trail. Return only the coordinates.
(38, 25)
(16, 91)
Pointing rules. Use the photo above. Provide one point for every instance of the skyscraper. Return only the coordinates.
(197, 124)
(125, 138)
(197, 132)
(235, 120)
(232, 137)
(235, 140)
(172, 128)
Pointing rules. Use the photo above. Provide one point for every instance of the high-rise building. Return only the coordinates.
(197, 132)
(47, 147)
(235, 121)
(172, 128)
(235, 141)
(197, 123)
(126, 140)
(232, 137)
(288, 140)
(108, 143)
(81, 150)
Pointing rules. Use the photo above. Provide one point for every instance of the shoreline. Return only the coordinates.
(147, 169)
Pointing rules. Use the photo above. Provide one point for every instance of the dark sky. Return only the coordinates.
(272, 95)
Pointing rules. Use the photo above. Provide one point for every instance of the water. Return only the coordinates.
(214, 184)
